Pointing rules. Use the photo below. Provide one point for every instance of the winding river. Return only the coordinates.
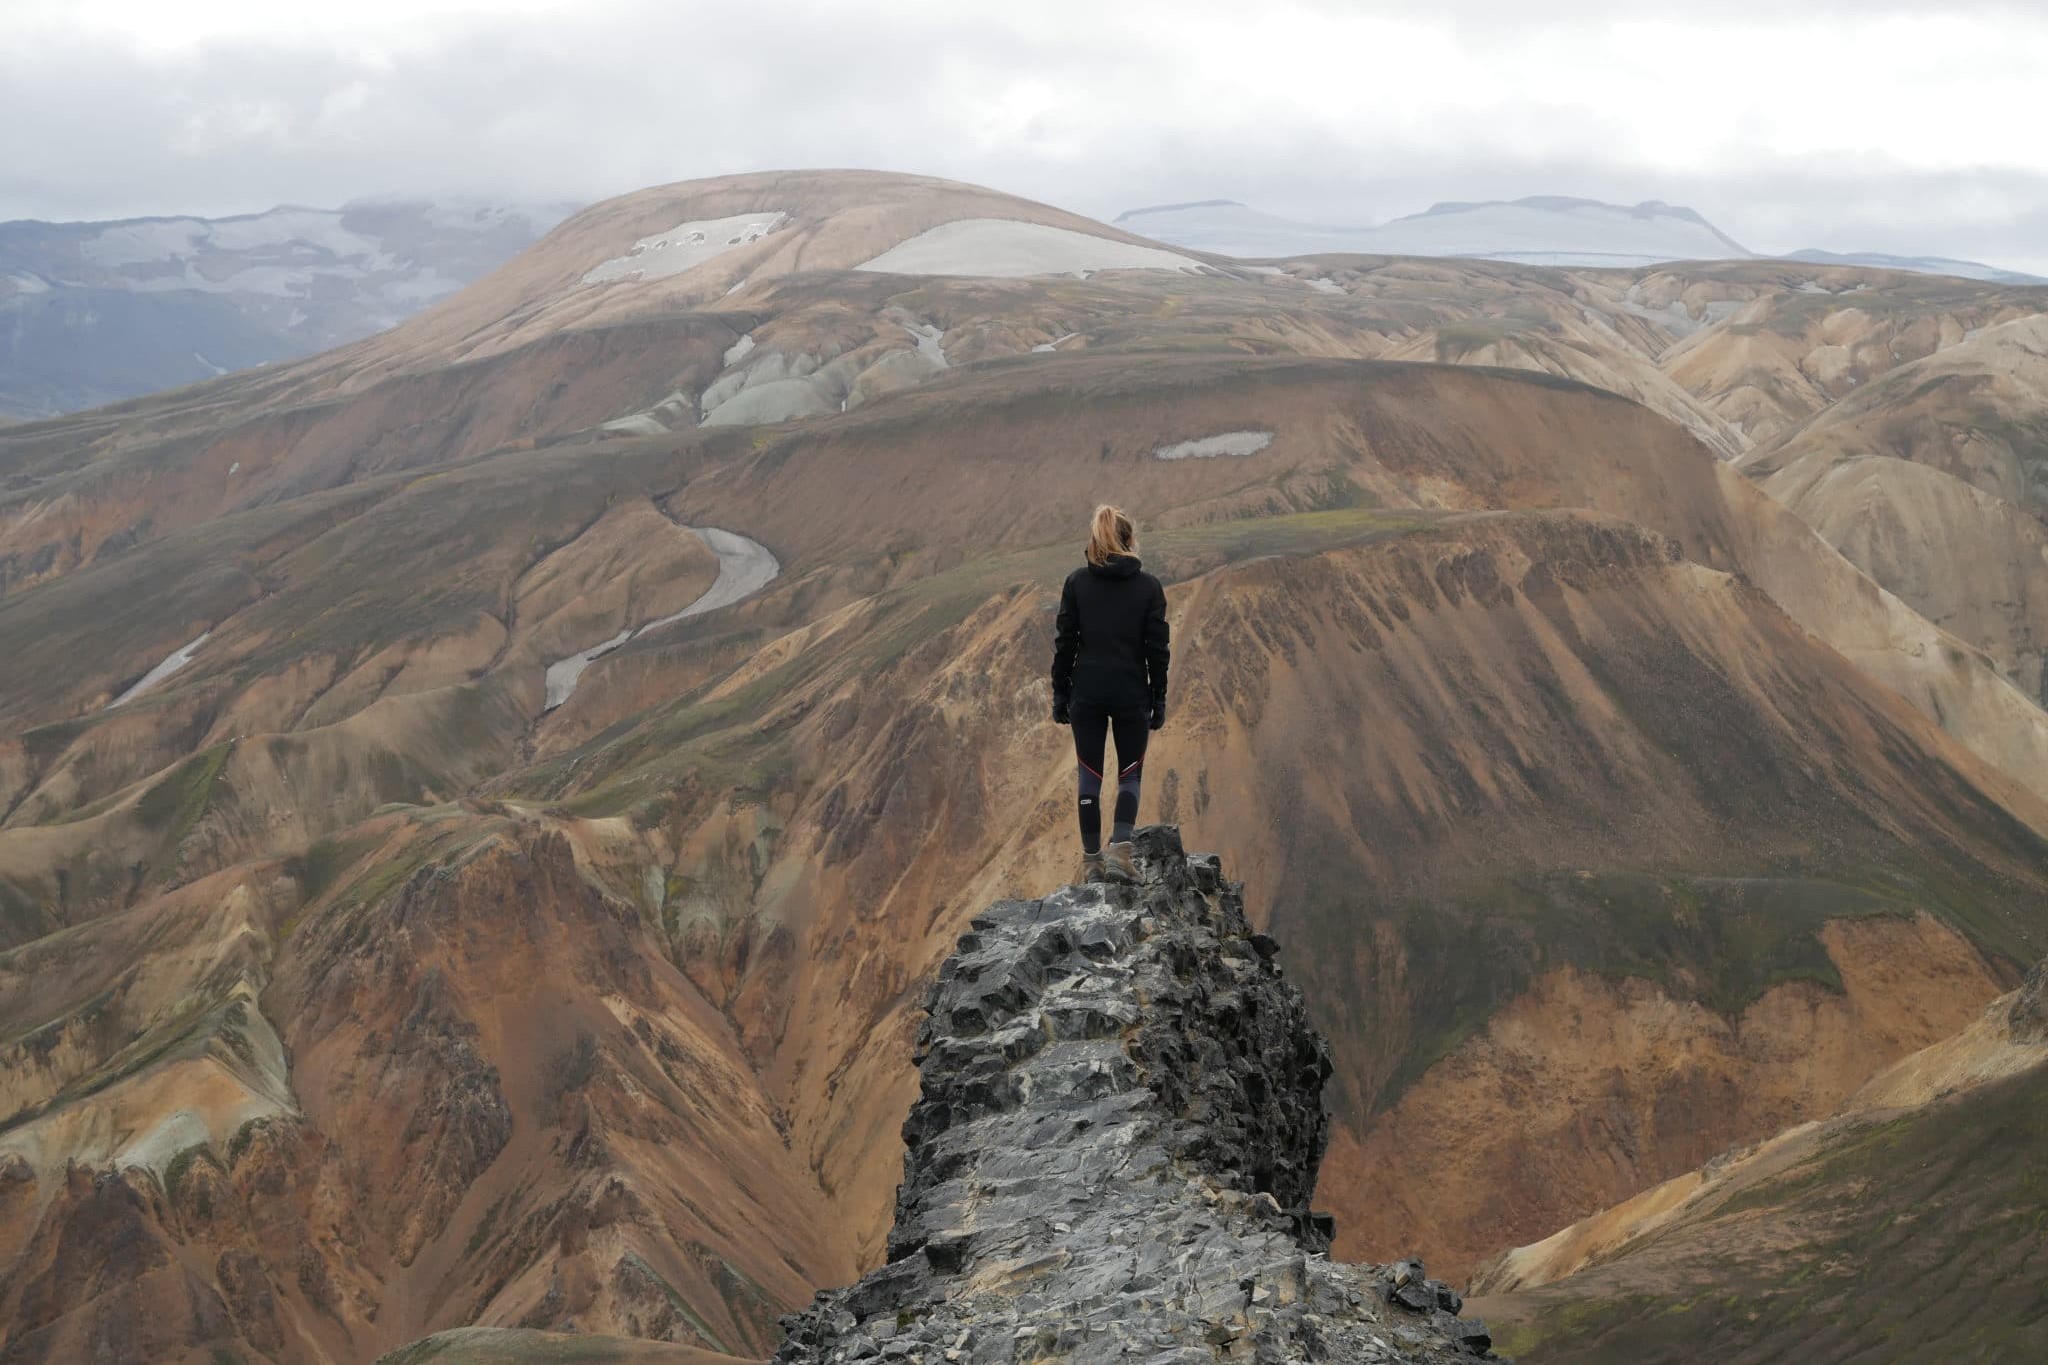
(744, 568)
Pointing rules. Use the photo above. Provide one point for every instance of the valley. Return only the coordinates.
(602, 700)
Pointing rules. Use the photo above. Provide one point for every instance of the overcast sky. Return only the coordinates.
(1878, 125)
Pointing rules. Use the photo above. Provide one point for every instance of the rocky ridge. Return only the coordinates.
(1112, 1154)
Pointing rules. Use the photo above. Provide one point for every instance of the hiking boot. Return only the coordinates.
(1091, 869)
(1117, 862)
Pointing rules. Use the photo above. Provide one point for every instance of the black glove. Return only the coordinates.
(1059, 711)
(1158, 714)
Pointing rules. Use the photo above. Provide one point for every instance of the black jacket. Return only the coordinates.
(1110, 639)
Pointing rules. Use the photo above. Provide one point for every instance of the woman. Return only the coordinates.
(1109, 658)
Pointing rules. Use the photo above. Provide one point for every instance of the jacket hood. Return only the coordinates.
(1119, 566)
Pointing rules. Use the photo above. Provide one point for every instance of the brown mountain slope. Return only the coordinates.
(511, 1346)
(336, 621)
(795, 883)
(1405, 437)
(793, 880)
(1438, 807)
(888, 451)
(1823, 1242)
(84, 490)
(1802, 337)
(504, 1102)
(1929, 481)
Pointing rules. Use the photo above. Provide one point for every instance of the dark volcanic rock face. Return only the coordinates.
(2027, 1016)
(1118, 1133)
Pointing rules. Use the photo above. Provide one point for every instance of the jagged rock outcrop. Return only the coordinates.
(2027, 1016)
(1112, 1156)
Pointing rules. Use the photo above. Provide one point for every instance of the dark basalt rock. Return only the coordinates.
(1118, 1134)
(2027, 1016)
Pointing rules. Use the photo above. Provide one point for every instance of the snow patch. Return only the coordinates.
(744, 568)
(772, 400)
(771, 386)
(564, 674)
(217, 370)
(684, 247)
(678, 409)
(150, 241)
(1010, 248)
(1324, 284)
(928, 338)
(1208, 447)
(303, 233)
(737, 352)
(176, 661)
(1055, 343)
(636, 424)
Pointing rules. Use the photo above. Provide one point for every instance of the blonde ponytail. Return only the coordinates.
(1111, 533)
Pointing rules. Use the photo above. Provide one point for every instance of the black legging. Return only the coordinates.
(1092, 725)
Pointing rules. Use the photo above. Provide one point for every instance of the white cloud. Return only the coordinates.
(1883, 125)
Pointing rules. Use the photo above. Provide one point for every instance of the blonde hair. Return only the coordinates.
(1110, 532)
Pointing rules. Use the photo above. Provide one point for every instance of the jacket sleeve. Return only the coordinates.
(1066, 640)
(1158, 651)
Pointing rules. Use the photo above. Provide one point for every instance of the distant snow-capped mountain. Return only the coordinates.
(1544, 230)
(1921, 265)
(1551, 230)
(95, 312)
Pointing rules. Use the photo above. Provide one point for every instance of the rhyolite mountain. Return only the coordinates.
(1934, 481)
(93, 312)
(1936, 1167)
(483, 804)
